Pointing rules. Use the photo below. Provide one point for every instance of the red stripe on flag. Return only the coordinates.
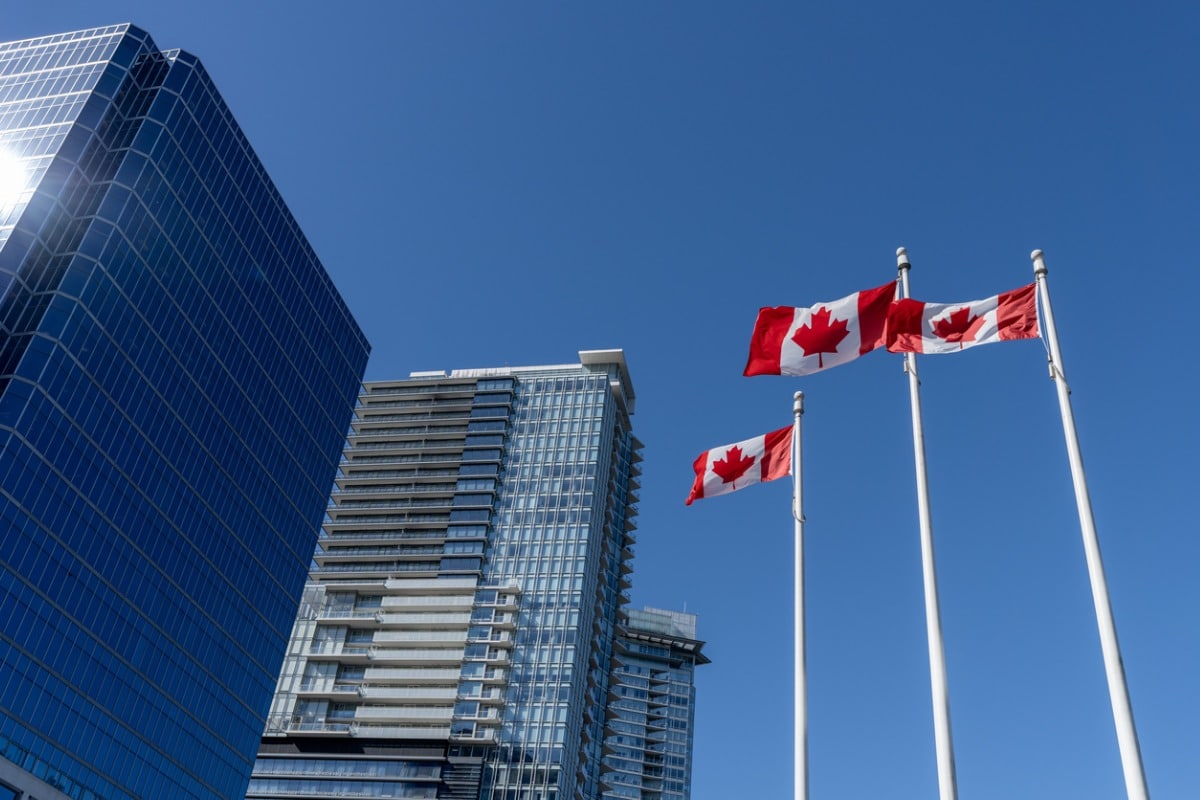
(872, 315)
(777, 454)
(1016, 313)
(766, 343)
(904, 326)
(700, 465)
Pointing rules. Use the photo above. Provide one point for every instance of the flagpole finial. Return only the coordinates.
(1039, 264)
(798, 403)
(902, 259)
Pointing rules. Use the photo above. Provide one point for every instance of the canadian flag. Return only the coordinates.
(916, 327)
(801, 341)
(735, 466)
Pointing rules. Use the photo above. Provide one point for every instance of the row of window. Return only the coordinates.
(312, 787)
(357, 768)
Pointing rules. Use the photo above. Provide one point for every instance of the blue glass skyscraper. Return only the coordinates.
(176, 376)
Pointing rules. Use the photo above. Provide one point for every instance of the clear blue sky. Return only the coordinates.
(513, 182)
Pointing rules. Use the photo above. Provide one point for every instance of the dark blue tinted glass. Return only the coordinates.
(176, 376)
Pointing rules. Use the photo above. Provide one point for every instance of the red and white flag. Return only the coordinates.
(735, 466)
(916, 327)
(801, 341)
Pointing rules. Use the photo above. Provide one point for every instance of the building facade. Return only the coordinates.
(461, 623)
(177, 372)
(652, 707)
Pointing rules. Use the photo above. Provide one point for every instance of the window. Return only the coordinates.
(470, 515)
(459, 564)
(472, 500)
(496, 397)
(466, 532)
(341, 711)
(484, 440)
(349, 674)
(460, 548)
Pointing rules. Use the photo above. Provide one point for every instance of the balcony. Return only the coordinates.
(486, 694)
(428, 638)
(376, 693)
(343, 653)
(318, 727)
(481, 735)
(440, 390)
(346, 617)
(364, 475)
(385, 731)
(328, 690)
(343, 504)
(379, 677)
(357, 460)
(425, 445)
(399, 485)
(390, 713)
(329, 554)
(430, 602)
(415, 656)
(367, 520)
(419, 621)
(391, 412)
(382, 537)
(416, 423)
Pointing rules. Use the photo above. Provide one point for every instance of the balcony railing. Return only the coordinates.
(318, 726)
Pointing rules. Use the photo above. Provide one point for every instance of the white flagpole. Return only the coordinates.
(947, 782)
(800, 739)
(1118, 692)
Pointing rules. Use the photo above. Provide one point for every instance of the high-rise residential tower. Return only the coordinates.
(652, 707)
(460, 628)
(177, 373)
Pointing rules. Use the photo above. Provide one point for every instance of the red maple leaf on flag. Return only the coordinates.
(820, 335)
(959, 327)
(733, 465)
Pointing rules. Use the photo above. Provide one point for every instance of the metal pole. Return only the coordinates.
(800, 741)
(947, 782)
(1118, 692)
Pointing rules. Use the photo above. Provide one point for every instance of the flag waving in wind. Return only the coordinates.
(916, 327)
(735, 466)
(801, 341)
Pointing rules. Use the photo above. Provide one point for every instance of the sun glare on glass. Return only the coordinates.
(13, 180)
